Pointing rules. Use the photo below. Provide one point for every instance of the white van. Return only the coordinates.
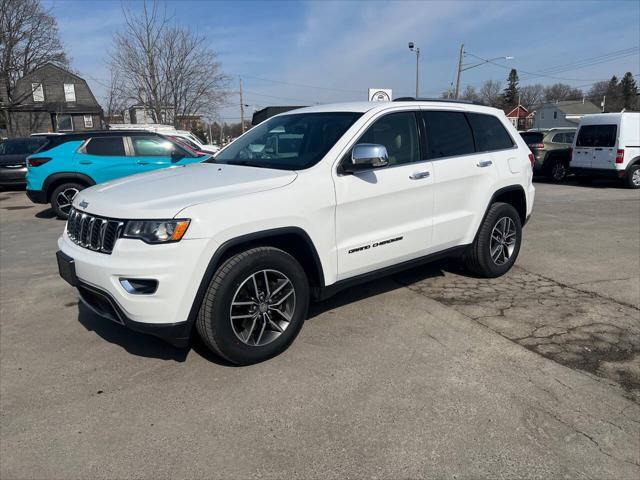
(608, 145)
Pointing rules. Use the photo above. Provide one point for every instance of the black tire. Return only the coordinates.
(629, 176)
(214, 318)
(556, 170)
(64, 191)
(584, 179)
(478, 257)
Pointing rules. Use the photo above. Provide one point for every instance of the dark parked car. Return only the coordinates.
(551, 150)
(13, 154)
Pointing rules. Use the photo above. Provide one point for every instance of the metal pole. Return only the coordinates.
(459, 71)
(417, 73)
(241, 108)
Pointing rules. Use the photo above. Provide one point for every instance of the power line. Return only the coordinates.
(302, 85)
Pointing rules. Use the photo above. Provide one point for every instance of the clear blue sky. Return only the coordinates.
(346, 47)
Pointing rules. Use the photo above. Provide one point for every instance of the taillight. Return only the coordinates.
(37, 161)
(620, 156)
(532, 160)
(538, 146)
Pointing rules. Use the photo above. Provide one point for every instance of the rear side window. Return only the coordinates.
(597, 136)
(558, 138)
(448, 134)
(106, 147)
(19, 147)
(489, 133)
(151, 146)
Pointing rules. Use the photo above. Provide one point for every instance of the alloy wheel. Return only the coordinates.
(65, 199)
(559, 171)
(635, 178)
(262, 307)
(503, 240)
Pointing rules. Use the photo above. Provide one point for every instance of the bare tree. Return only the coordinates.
(115, 99)
(561, 91)
(166, 67)
(470, 94)
(531, 95)
(28, 40)
(491, 93)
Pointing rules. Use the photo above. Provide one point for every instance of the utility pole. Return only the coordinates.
(604, 99)
(459, 71)
(241, 108)
(417, 73)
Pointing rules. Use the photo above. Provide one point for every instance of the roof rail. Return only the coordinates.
(444, 100)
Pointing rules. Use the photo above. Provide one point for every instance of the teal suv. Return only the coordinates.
(69, 163)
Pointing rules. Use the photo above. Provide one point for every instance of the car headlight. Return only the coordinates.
(156, 231)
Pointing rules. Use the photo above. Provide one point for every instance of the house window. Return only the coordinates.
(69, 92)
(64, 123)
(555, 114)
(38, 92)
(88, 121)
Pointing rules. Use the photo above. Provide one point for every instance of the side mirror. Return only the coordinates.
(177, 155)
(368, 155)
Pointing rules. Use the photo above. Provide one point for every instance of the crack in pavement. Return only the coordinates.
(576, 328)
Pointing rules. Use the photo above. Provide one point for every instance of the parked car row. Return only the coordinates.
(604, 145)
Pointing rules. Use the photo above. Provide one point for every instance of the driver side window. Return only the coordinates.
(398, 132)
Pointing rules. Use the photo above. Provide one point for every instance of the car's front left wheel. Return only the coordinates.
(255, 305)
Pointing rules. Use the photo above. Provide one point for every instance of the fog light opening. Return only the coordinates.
(139, 286)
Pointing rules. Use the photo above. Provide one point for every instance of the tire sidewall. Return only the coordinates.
(219, 315)
(497, 212)
(629, 176)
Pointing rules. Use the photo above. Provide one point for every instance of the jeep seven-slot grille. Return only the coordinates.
(95, 233)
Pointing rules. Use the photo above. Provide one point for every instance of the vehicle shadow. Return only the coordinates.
(383, 285)
(598, 183)
(46, 213)
(148, 346)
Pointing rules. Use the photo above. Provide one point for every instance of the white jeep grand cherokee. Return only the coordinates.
(302, 205)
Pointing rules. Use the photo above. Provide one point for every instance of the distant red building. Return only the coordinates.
(520, 118)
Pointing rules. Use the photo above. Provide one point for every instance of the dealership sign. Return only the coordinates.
(380, 94)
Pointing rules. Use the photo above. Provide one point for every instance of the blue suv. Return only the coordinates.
(70, 163)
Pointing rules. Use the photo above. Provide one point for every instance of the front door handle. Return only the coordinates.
(142, 162)
(85, 162)
(419, 175)
(484, 163)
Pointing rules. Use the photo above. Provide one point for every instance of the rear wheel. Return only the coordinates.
(557, 170)
(255, 306)
(632, 177)
(497, 243)
(62, 198)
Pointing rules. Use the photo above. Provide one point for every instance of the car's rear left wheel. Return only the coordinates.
(255, 306)
(497, 243)
(557, 170)
(632, 177)
(62, 198)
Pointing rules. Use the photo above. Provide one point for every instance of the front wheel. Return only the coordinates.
(632, 177)
(62, 198)
(255, 306)
(497, 243)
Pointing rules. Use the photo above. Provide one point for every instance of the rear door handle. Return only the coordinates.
(419, 175)
(484, 163)
(85, 162)
(142, 162)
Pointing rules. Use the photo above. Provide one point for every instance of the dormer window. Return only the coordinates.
(69, 92)
(38, 92)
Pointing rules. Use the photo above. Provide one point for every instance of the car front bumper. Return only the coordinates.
(177, 267)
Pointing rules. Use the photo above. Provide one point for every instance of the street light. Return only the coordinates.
(462, 68)
(416, 50)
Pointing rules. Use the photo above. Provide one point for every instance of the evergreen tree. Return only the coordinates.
(613, 101)
(628, 92)
(510, 94)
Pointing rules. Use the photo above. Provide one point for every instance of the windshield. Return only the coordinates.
(288, 142)
(532, 137)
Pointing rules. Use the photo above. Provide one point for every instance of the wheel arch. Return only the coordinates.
(293, 240)
(634, 161)
(513, 195)
(56, 179)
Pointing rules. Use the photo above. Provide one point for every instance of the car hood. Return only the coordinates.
(164, 193)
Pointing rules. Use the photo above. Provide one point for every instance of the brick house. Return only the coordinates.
(52, 99)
